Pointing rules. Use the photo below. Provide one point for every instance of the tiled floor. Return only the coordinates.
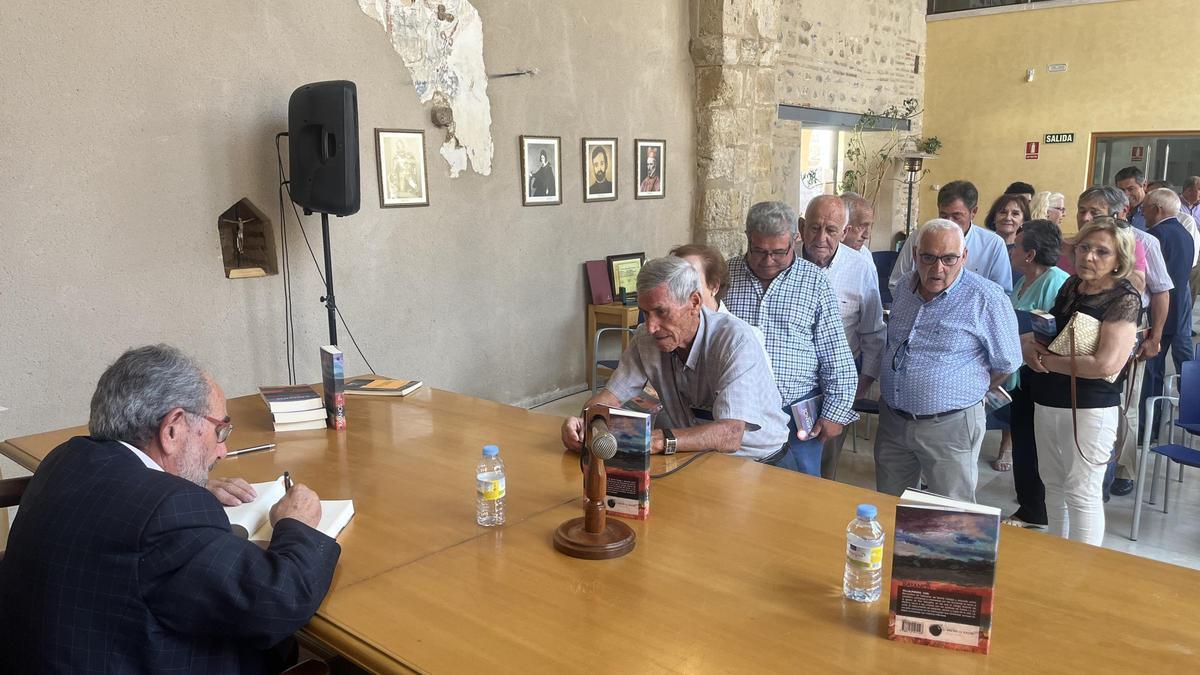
(1172, 538)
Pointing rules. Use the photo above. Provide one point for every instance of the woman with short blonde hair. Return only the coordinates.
(1076, 409)
(1049, 206)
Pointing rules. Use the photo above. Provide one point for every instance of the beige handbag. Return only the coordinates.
(1081, 336)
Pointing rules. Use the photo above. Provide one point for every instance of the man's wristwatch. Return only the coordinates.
(670, 445)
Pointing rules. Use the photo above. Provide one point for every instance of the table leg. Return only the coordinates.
(591, 340)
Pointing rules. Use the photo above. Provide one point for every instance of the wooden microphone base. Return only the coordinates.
(614, 541)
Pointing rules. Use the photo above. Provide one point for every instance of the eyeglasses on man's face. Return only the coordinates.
(223, 427)
(949, 260)
(763, 254)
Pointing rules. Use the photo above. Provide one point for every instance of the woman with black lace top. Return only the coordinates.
(1073, 450)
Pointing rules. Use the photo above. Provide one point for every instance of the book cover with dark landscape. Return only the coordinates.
(943, 577)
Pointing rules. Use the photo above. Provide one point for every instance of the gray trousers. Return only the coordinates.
(945, 450)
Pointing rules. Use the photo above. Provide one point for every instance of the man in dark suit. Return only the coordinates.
(1160, 208)
(120, 559)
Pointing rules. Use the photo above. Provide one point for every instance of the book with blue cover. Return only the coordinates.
(333, 379)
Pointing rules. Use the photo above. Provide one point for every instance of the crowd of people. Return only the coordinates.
(729, 347)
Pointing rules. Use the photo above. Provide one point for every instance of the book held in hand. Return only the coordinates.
(290, 398)
(943, 572)
(333, 380)
(381, 386)
(806, 412)
(253, 520)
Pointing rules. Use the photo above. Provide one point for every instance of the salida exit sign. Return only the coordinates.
(1060, 138)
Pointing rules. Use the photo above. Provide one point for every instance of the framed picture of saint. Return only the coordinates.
(651, 180)
(400, 156)
(599, 169)
(541, 170)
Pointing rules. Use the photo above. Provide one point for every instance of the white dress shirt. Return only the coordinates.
(1189, 224)
(987, 256)
(150, 463)
(856, 285)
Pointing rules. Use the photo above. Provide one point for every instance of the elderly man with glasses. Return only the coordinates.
(793, 303)
(951, 337)
(121, 557)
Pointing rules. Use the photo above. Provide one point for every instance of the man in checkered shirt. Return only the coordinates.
(792, 302)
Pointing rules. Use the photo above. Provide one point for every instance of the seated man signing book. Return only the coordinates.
(709, 370)
(122, 560)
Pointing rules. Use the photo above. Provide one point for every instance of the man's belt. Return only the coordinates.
(920, 418)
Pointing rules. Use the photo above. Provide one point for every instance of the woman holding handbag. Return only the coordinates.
(1076, 379)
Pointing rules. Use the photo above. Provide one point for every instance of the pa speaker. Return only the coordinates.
(323, 142)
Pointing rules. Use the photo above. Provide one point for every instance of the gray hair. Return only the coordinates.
(1191, 182)
(855, 204)
(771, 219)
(678, 274)
(1116, 199)
(1166, 200)
(937, 225)
(140, 388)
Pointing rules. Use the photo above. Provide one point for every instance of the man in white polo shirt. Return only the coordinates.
(856, 286)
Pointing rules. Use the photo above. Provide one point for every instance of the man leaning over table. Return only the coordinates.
(951, 337)
(709, 371)
(121, 557)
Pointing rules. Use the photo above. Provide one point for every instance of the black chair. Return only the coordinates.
(885, 261)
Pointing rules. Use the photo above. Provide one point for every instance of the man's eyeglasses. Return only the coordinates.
(223, 427)
(763, 254)
(949, 260)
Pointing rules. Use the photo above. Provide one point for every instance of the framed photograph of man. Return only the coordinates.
(623, 272)
(599, 169)
(541, 170)
(400, 155)
(651, 181)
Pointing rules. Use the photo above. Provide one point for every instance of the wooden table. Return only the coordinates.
(612, 314)
(738, 568)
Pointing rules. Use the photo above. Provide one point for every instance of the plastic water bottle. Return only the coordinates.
(864, 556)
(489, 488)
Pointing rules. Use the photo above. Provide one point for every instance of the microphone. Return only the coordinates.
(604, 444)
(593, 536)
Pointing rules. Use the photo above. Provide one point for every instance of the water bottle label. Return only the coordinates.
(862, 555)
(490, 490)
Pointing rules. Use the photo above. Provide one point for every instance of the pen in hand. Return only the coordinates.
(287, 481)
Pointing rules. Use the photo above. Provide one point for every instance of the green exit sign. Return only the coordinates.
(1059, 138)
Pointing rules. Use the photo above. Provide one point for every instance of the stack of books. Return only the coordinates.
(294, 408)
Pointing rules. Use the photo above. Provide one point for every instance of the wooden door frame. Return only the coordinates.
(1097, 135)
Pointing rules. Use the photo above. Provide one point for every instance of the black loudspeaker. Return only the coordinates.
(323, 147)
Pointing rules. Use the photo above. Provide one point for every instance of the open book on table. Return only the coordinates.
(253, 520)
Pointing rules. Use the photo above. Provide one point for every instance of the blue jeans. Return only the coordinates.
(802, 456)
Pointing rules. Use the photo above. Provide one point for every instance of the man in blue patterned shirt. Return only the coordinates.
(951, 337)
(791, 301)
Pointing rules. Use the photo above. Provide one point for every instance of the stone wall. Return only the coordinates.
(750, 55)
(849, 56)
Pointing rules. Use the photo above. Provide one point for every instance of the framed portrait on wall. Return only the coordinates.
(541, 170)
(400, 158)
(623, 271)
(651, 180)
(599, 169)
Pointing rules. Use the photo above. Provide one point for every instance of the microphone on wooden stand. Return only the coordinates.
(593, 536)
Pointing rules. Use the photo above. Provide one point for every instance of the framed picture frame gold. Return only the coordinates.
(400, 161)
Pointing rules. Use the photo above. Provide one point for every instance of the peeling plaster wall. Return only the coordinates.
(129, 126)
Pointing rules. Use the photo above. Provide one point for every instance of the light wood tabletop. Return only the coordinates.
(738, 568)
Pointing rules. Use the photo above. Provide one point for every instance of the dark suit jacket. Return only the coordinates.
(114, 567)
(1178, 251)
